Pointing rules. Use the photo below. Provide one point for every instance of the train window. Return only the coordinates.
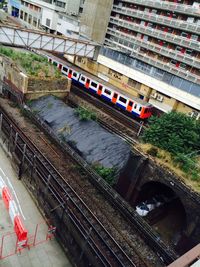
(140, 108)
(130, 104)
(107, 92)
(94, 84)
(65, 69)
(100, 87)
(55, 63)
(115, 95)
(135, 106)
(122, 99)
(82, 78)
(70, 71)
(75, 74)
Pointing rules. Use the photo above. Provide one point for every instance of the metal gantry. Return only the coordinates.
(32, 39)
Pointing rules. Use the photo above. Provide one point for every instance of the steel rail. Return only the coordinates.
(107, 246)
(148, 234)
(131, 123)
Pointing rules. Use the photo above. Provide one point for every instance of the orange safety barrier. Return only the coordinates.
(20, 230)
(7, 197)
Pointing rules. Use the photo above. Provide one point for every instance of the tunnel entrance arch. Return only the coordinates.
(162, 208)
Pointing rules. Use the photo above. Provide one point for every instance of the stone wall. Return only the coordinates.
(31, 87)
(141, 171)
(13, 73)
(39, 87)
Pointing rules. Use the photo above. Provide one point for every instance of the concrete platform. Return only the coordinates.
(44, 253)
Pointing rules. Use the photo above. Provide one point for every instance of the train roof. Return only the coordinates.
(95, 78)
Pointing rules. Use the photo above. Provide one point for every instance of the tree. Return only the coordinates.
(174, 132)
(179, 135)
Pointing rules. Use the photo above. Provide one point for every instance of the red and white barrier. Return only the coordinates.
(14, 214)
(6, 195)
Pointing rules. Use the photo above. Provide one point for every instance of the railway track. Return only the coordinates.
(103, 245)
(166, 253)
(135, 128)
(137, 223)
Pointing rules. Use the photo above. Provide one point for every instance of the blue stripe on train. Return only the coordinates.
(120, 106)
(106, 98)
(92, 90)
(135, 114)
(76, 82)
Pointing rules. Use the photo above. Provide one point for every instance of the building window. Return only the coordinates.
(183, 66)
(21, 14)
(132, 82)
(115, 74)
(60, 4)
(48, 22)
(29, 19)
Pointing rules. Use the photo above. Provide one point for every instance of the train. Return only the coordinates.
(135, 107)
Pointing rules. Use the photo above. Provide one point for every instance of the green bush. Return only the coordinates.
(108, 174)
(85, 114)
(174, 132)
(178, 134)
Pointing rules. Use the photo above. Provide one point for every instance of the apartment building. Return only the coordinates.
(53, 16)
(152, 49)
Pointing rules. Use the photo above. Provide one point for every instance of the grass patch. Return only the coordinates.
(182, 167)
(33, 64)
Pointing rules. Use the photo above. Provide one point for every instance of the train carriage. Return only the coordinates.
(107, 92)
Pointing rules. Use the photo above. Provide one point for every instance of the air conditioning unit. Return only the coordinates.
(160, 98)
(194, 114)
(154, 95)
(198, 116)
(190, 114)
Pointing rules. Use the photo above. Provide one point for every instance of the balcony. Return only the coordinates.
(194, 62)
(180, 8)
(46, 4)
(174, 23)
(176, 39)
(154, 62)
(34, 13)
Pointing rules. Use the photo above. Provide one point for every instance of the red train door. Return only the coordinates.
(87, 84)
(70, 74)
(99, 92)
(60, 66)
(114, 99)
(130, 105)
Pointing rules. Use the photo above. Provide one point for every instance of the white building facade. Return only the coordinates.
(60, 17)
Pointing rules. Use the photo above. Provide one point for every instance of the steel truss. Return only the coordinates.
(32, 39)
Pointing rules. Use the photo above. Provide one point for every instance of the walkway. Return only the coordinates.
(47, 254)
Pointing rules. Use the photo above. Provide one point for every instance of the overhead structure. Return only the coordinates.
(32, 39)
